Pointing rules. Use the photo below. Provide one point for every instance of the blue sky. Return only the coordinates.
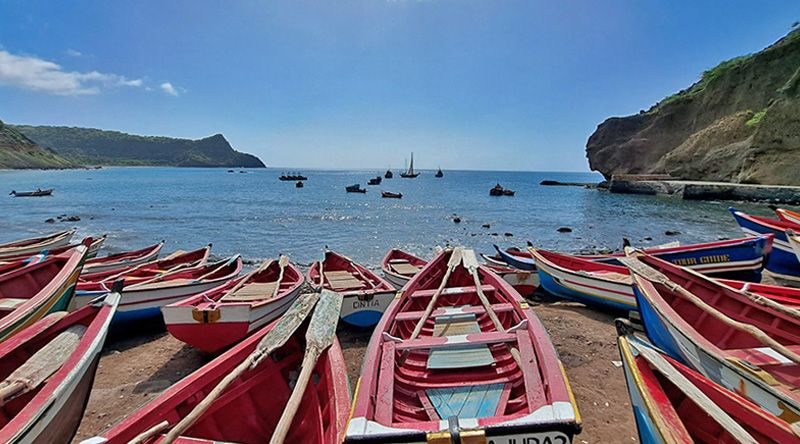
(465, 84)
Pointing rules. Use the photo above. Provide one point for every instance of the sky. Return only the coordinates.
(464, 84)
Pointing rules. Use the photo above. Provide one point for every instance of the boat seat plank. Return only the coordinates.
(763, 356)
(458, 357)
(164, 284)
(8, 304)
(451, 291)
(478, 310)
(340, 280)
(611, 276)
(252, 292)
(405, 268)
(451, 341)
(476, 401)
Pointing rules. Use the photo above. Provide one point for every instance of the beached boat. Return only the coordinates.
(222, 316)
(175, 261)
(38, 193)
(524, 281)
(248, 409)
(356, 188)
(442, 364)
(119, 261)
(47, 373)
(515, 258)
(29, 293)
(390, 195)
(143, 298)
(674, 404)
(741, 342)
(97, 243)
(410, 173)
(782, 261)
(794, 242)
(399, 267)
(366, 295)
(788, 215)
(36, 244)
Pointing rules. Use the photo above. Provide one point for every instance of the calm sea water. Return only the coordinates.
(259, 216)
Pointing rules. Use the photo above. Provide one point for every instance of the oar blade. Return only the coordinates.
(286, 326)
(470, 261)
(283, 261)
(322, 328)
(455, 258)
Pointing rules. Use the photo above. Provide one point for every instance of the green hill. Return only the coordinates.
(99, 147)
(18, 151)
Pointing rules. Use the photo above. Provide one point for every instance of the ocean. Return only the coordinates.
(256, 215)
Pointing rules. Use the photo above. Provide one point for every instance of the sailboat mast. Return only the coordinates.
(411, 167)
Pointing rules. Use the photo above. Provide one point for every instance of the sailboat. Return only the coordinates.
(388, 174)
(410, 172)
(439, 173)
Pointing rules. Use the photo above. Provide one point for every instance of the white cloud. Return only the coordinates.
(73, 53)
(37, 74)
(169, 89)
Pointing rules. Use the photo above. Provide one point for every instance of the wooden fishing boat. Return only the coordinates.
(37, 193)
(299, 184)
(47, 372)
(399, 267)
(366, 295)
(96, 244)
(788, 215)
(672, 404)
(390, 195)
(515, 258)
(524, 281)
(440, 369)
(177, 260)
(388, 174)
(119, 261)
(143, 298)
(410, 173)
(782, 261)
(794, 242)
(29, 293)
(741, 342)
(356, 188)
(375, 181)
(248, 410)
(36, 244)
(220, 317)
(439, 173)
(607, 285)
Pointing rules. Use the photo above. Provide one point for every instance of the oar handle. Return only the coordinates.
(282, 429)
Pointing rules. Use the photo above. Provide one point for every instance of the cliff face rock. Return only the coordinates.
(100, 147)
(739, 123)
(17, 151)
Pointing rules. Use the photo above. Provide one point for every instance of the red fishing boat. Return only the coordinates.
(734, 338)
(29, 293)
(175, 261)
(674, 404)
(220, 317)
(36, 244)
(788, 216)
(399, 267)
(459, 355)
(249, 409)
(366, 295)
(122, 260)
(96, 244)
(47, 372)
(524, 281)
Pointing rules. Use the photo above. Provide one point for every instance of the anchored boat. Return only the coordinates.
(459, 356)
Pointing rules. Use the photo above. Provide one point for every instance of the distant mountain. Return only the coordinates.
(18, 151)
(99, 147)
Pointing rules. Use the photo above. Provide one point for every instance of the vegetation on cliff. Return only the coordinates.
(99, 147)
(738, 123)
(18, 151)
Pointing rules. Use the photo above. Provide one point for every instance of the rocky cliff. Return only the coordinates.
(17, 151)
(99, 147)
(739, 123)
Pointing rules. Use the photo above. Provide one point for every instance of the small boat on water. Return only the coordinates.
(119, 261)
(248, 410)
(36, 244)
(496, 190)
(375, 181)
(47, 373)
(38, 193)
(299, 184)
(732, 338)
(390, 195)
(439, 173)
(147, 292)
(410, 173)
(788, 215)
(388, 174)
(782, 261)
(177, 260)
(674, 404)
(460, 355)
(399, 267)
(290, 177)
(29, 293)
(366, 295)
(223, 316)
(356, 188)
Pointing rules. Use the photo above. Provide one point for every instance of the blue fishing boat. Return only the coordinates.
(782, 261)
(516, 259)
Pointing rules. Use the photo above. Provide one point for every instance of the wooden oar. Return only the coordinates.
(283, 261)
(641, 270)
(273, 340)
(471, 264)
(452, 263)
(319, 336)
